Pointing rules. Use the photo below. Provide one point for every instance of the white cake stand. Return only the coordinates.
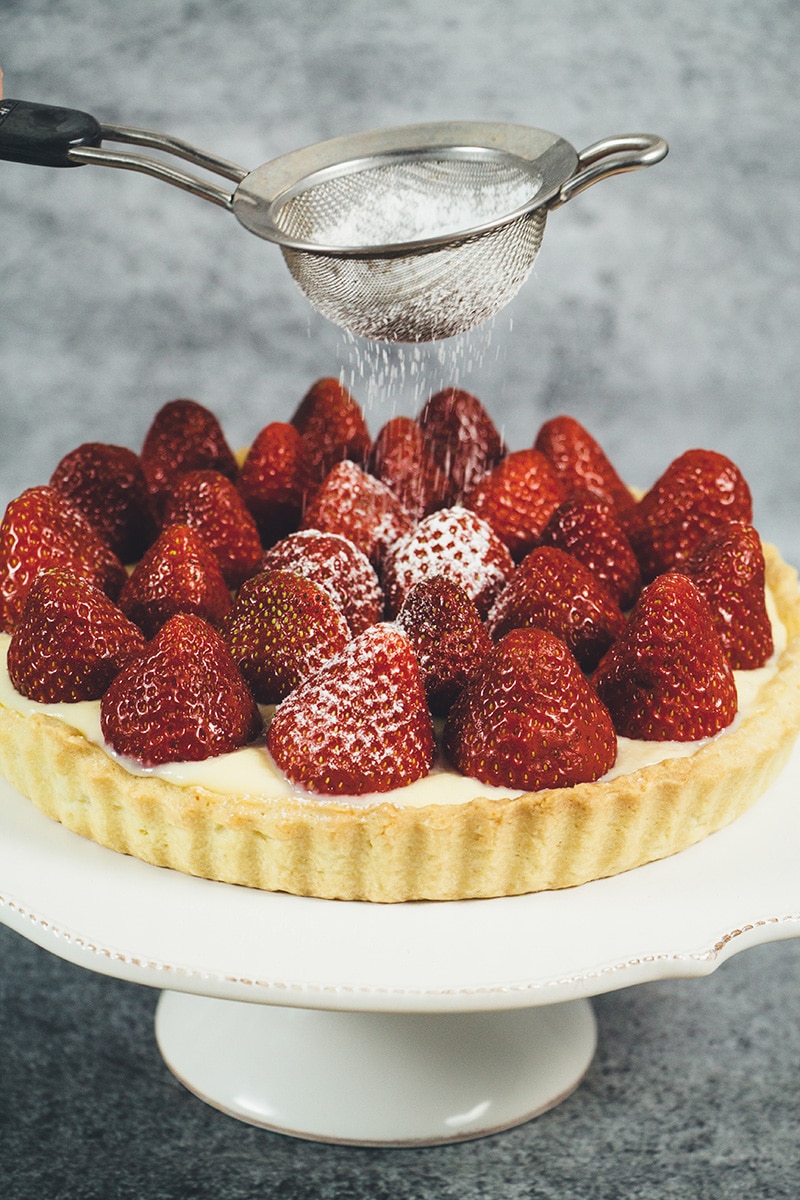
(394, 1024)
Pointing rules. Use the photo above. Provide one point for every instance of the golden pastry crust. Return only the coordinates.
(387, 853)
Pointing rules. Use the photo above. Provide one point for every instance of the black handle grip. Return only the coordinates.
(42, 134)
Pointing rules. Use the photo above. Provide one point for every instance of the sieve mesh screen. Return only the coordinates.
(406, 200)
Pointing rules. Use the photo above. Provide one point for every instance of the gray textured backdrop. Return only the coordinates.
(662, 310)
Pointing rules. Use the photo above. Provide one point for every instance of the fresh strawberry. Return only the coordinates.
(184, 436)
(179, 573)
(586, 527)
(333, 427)
(530, 719)
(42, 528)
(399, 458)
(359, 507)
(448, 637)
(360, 724)
(182, 699)
(107, 484)
(338, 566)
(461, 438)
(517, 498)
(552, 590)
(582, 465)
(208, 502)
(282, 628)
(698, 490)
(275, 479)
(70, 640)
(454, 542)
(728, 568)
(667, 677)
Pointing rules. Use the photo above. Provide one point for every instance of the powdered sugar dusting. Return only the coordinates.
(337, 565)
(361, 724)
(392, 378)
(454, 542)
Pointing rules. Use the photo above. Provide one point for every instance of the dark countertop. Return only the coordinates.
(693, 1093)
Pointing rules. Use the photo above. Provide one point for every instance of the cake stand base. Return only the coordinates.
(376, 1079)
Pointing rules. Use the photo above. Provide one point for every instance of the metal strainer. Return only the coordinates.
(409, 234)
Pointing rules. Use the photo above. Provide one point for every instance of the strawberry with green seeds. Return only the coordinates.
(181, 699)
(552, 590)
(41, 528)
(179, 573)
(529, 719)
(667, 677)
(70, 642)
(282, 629)
(358, 725)
(209, 502)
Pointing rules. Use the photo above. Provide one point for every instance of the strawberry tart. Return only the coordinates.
(419, 666)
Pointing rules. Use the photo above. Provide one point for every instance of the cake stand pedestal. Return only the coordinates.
(403, 1024)
(378, 1079)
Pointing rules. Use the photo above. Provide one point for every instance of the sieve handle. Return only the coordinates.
(612, 156)
(45, 135)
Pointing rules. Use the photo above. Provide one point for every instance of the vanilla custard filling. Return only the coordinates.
(250, 771)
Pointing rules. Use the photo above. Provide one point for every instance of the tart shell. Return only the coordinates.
(388, 853)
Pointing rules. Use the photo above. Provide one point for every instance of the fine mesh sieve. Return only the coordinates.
(410, 234)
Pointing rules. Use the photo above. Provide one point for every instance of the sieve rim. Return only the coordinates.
(545, 158)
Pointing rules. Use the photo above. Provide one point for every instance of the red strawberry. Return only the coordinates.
(517, 498)
(454, 542)
(208, 502)
(586, 527)
(728, 568)
(179, 573)
(338, 566)
(182, 699)
(667, 678)
(282, 629)
(400, 459)
(333, 427)
(582, 465)
(530, 719)
(184, 436)
(275, 479)
(448, 637)
(70, 641)
(462, 439)
(42, 528)
(360, 724)
(359, 507)
(698, 490)
(107, 484)
(552, 590)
